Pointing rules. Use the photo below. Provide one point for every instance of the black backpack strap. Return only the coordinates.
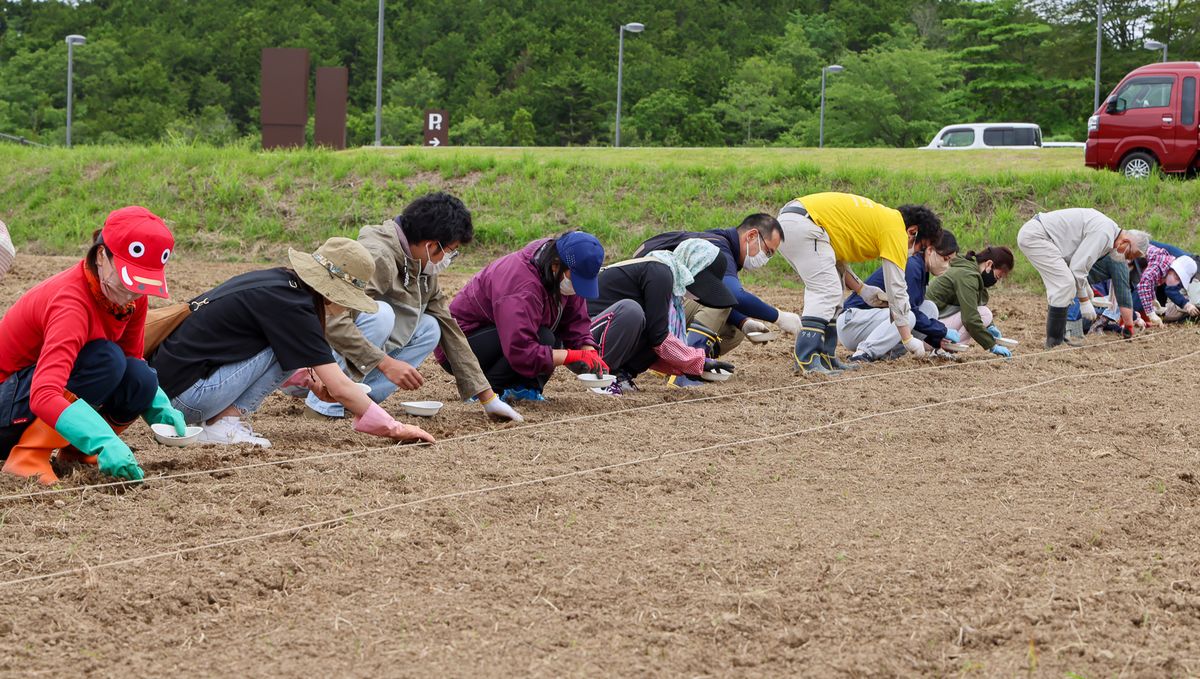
(260, 279)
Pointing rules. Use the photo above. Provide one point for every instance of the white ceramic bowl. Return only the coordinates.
(165, 434)
(956, 348)
(422, 408)
(596, 382)
(1007, 342)
(762, 337)
(716, 376)
(1101, 302)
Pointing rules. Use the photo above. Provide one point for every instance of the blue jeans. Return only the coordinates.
(244, 385)
(377, 328)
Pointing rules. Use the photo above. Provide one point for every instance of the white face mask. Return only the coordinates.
(431, 268)
(757, 261)
(566, 287)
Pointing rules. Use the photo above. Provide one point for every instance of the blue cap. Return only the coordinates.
(583, 255)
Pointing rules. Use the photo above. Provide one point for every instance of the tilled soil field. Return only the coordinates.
(988, 517)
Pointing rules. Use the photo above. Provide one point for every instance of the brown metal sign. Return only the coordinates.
(437, 128)
(330, 127)
(284, 107)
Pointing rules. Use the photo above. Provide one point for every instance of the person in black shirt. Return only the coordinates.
(639, 321)
(245, 337)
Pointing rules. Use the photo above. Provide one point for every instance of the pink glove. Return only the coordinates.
(377, 422)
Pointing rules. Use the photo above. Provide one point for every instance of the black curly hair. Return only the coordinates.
(438, 217)
(929, 227)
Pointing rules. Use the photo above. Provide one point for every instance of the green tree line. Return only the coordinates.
(543, 72)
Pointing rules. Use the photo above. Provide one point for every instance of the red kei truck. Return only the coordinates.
(1149, 121)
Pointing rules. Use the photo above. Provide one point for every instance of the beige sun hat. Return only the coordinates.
(339, 270)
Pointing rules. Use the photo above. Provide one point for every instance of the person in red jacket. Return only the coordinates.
(71, 367)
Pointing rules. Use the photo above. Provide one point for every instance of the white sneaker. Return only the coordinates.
(231, 430)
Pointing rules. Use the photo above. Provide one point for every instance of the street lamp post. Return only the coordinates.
(379, 80)
(632, 28)
(72, 41)
(1156, 45)
(832, 68)
(1099, 33)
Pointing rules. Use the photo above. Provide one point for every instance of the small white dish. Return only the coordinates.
(422, 408)
(1007, 342)
(366, 388)
(762, 337)
(716, 375)
(596, 382)
(955, 347)
(1101, 302)
(165, 434)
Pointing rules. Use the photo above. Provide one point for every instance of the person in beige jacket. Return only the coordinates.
(385, 348)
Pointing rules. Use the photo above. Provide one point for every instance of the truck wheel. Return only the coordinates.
(1138, 165)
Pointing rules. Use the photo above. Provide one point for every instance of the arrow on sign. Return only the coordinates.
(435, 142)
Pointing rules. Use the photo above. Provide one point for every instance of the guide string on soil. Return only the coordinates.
(578, 418)
(343, 519)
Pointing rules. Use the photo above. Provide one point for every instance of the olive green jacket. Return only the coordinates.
(962, 286)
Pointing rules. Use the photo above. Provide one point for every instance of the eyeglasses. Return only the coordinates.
(449, 253)
(762, 243)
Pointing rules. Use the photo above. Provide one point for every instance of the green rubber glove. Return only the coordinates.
(161, 412)
(90, 434)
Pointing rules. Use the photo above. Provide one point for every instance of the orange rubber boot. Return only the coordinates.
(31, 455)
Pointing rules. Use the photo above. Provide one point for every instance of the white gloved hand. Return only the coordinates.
(1156, 321)
(498, 409)
(1191, 310)
(752, 325)
(1087, 310)
(789, 322)
(1139, 323)
(915, 346)
(873, 296)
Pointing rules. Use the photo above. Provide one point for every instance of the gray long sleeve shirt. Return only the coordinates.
(1082, 235)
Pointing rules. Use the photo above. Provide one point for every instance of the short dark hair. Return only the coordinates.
(948, 244)
(929, 227)
(437, 216)
(767, 225)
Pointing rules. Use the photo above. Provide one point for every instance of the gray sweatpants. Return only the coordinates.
(872, 332)
(1044, 255)
(807, 248)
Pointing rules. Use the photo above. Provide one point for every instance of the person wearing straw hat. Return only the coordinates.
(8, 253)
(245, 337)
(72, 376)
(526, 314)
(639, 319)
(1063, 245)
(384, 348)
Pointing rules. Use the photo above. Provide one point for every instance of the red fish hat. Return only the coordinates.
(140, 244)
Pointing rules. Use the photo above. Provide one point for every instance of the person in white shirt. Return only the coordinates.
(1063, 245)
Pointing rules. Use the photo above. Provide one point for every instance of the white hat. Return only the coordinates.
(7, 251)
(1185, 267)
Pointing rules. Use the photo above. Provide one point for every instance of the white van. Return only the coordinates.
(992, 136)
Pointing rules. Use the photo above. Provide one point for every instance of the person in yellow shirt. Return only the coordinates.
(825, 231)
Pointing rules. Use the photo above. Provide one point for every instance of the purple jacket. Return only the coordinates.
(508, 293)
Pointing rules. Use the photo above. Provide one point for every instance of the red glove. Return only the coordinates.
(589, 357)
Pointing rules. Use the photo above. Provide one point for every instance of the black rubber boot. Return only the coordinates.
(829, 350)
(1056, 326)
(807, 358)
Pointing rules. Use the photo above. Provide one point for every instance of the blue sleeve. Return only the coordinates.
(934, 331)
(748, 305)
(1175, 294)
(855, 301)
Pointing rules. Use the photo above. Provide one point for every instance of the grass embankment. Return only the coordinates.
(230, 204)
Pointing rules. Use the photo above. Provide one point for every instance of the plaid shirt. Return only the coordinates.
(1158, 264)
